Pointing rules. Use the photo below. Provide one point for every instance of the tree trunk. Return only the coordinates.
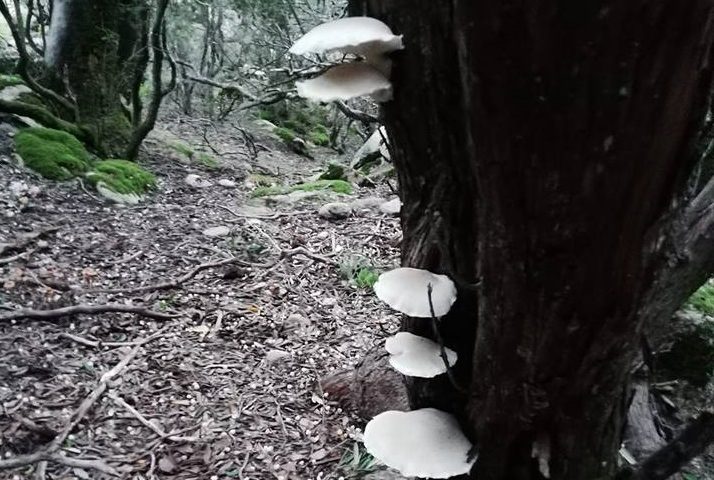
(541, 168)
(101, 64)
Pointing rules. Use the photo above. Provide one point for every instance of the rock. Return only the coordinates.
(220, 231)
(121, 198)
(196, 181)
(295, 322)
(293, 198)
(265, 125)
(224, 182)
(372, 150)
(273, 356)
(299, 146)
(368, 203)
(392, 207)
(335, 211)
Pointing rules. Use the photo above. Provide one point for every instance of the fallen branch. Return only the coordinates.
(49, 453)
(85, 309)
(307, 253)
(670, 459)
(143, 420)
(176, 282)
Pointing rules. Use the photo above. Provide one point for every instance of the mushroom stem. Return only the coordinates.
(440, 341)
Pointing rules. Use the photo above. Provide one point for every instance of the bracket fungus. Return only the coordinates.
(360, 35)
(425, 443)
(417, 356)
(346, 81)
(364, 36)
(406, 290)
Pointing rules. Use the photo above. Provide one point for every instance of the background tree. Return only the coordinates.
(548, 167)
(97, 54)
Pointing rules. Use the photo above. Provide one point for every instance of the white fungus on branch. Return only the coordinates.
(425, 443)
(406, 290)
(359, 35)
(417, 356)
(346, 81)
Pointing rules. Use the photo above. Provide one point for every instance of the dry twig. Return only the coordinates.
(50, 315)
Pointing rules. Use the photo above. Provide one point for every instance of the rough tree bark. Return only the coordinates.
(545, 168)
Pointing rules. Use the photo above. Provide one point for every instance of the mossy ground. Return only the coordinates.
(334, 172)
(301, 120)
(337, 186)
(10, 80)
(183, 149)
(703, 300)
(54, 154)
(122, 176)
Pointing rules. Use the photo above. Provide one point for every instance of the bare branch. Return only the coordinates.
(86, 310)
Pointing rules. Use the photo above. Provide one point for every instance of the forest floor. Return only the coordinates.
(223, 383)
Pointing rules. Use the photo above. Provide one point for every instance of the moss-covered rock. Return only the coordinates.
(285, 134)
(10, 80)
(54, 154)
(334, 172)
(703, 300)
(122, 176)
(337, 186)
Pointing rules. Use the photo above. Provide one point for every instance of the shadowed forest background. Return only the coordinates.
(188, 249)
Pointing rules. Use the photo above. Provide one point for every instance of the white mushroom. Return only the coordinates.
(360, 35)
(406, 290)
(425, 443)
(417, 356)
(346, 81)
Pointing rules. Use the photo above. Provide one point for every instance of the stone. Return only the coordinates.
(196, 181)
(392, 207)
(220, 231)
(274, 356)
(224, 182)
(335, 211)
(367, 203)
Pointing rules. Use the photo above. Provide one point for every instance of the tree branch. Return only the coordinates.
(84, 309)
(43, 116)
(670, 459)
(22, 64)
(355, 114)
(143, 128)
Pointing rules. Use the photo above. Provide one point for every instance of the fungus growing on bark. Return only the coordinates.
(417, 356)
(406, 290)
(346, 81)
(424, 443)
(363, 36)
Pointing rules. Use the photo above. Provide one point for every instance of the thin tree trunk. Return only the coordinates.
(539, 169)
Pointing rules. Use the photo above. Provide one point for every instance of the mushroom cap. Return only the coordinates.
(346, 81)
(406, 290)
(360, 35)
(417, 356)
(424, 443)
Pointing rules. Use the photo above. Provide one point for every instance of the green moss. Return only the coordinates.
(285, 134)
(208, 161)
(52, 153)
(703, 300)
(122, 176)
(334, 172)
(32, 99)
(115, 133)
(337, 186)
(319, 138)
(183, 149)
(10, 80)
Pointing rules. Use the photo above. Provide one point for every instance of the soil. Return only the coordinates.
(227, 387)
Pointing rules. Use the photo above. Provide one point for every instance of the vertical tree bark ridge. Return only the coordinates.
(581, 118)
(539, 145)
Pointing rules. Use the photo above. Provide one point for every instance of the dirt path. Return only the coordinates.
(227, 388)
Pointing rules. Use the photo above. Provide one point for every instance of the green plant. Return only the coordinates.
(319, 138)
(366, 277)
(52, 153)
(208, 161)
(334, 172)
(703, 300)
(357, 460)
(285, 134)
(183, 149)
(122, 176)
